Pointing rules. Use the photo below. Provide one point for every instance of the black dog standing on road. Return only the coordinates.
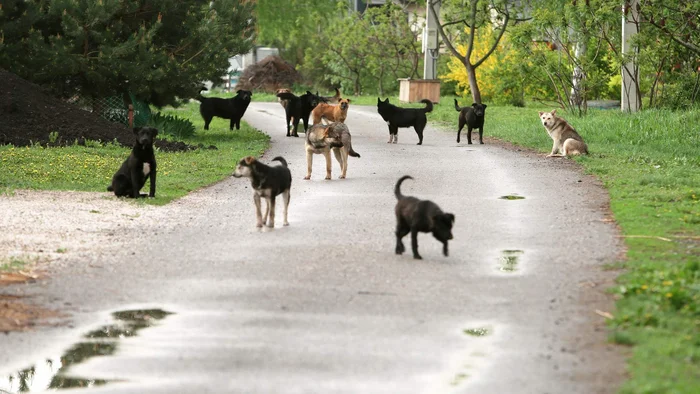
(397, 117)
(473, 117)
(414, 215)
(232, 108)
(268, 182)
(139, 166)
(298, 108)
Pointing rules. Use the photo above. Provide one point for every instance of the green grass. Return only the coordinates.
(12, 264)
(650, 163)
(90, 168)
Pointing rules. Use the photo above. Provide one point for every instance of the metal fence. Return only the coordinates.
(125, 109)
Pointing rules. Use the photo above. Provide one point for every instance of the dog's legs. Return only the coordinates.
(231, 124)
(267, 211)
(338, 152)
(481, 135)
(462, 122)
(258, 213)
(420, 136)
(555, 148)
(309, 163)
(469, 135)
(286, 196)
(152, 175)
(206, 123)
(271, 208)
(401, 231)
(444, 248)
(306, 124)
(414, 244)
(295, 124)
(327, 155)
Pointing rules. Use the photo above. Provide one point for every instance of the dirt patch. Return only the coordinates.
(17, 315)
(268, 75)
(30, 115)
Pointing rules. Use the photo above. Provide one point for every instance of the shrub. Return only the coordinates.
(172, 125)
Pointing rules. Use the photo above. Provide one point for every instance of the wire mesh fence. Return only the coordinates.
(124, 109)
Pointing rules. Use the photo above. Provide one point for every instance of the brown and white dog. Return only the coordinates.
(268, 182)
(566, 140)
(331, 113)
(320, 139)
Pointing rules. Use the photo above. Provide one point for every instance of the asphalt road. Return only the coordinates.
(325, 306)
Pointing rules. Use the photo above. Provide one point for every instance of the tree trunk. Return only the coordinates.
(473, 85)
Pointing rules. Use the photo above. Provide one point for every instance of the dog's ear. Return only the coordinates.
(239, 91)
(307, 92)
(154, 131)
(349, 101)
(541, 113)
(379, 100)
(249, 160)
(484, 106)
(136, 130)
(554, 112)
(450, 217)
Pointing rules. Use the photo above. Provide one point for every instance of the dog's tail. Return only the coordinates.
(428, 105)
(110, 188)
(457, 108)
(199, 95)
(281, 160)
(286, 96)
(397, 189)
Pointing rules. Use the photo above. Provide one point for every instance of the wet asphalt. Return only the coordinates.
(325, 306)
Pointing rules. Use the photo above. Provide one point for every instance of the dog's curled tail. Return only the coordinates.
(457, 108)
(397, 189)
(199, 95)
(281, 160)
(352, 153)
(428, 105)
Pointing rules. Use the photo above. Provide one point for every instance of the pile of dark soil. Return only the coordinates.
(268, 75)
(28, 115)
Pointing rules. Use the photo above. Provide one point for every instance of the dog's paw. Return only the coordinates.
(259, 225)
(417, 257)
(285, 224)
(306, 178)
(341, 177)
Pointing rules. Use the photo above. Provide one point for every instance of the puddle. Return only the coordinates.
(52, 373)
(512, 197)
(477, 332)
(508, 262)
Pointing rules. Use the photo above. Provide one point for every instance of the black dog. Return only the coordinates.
(232, 108)
(139, 166)
(473, 117)
(414, 215)
(268, 182)
(404, 117)
(299, 108)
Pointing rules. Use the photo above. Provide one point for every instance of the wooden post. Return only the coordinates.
(131, 116)
(630, 69)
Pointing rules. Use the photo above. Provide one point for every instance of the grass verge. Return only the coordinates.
(90, 168)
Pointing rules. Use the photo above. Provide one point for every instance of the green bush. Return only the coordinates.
(172, 125)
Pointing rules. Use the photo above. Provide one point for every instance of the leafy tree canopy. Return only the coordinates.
(156, 49)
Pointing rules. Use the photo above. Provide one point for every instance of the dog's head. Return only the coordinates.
(344, 104)
(145, 136)
(442, 226)
(548, 118)
(479, 109)
(331, 138)
(245, 95)
(383, 107)
(311, 99)
(245, 167)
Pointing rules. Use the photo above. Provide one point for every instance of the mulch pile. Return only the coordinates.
(269, 74)
(28, 114)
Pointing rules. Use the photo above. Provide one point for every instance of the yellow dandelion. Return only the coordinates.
(669, 295)
(644, 287)
(667, 283)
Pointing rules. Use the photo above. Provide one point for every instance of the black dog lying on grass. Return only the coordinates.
(139, 166)
(414, 215)
(232, 108)
(298, 108)
(397, 117)
(473, 117)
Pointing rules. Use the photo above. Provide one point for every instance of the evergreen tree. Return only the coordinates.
(156, 49)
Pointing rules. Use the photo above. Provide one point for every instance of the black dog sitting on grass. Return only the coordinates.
(414, 215)
(232, 108)
(473, 118)
(139, 166)
(299, 108)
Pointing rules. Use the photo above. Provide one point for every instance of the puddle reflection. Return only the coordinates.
(51, 373)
